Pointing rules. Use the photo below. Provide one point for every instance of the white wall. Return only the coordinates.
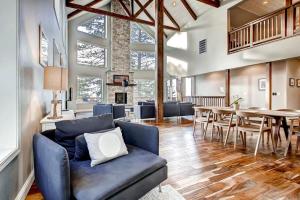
(293, 93)
(210, 84)
(279, 84)
(34, 101)
(244, 83)
(213, 26)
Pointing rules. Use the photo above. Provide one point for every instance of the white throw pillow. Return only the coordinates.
(105, 146)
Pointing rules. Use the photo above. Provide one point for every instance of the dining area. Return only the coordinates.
(271, 127)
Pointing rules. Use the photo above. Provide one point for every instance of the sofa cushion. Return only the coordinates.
(105, 180)
(81, 149)
(67, 131)
(105, 146)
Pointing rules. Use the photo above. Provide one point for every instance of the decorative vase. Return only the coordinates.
(236, 106)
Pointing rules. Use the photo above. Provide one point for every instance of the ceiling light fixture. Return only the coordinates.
(265, 2)
(174, 3)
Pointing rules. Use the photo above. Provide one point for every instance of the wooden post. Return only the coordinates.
(227, 87)
(269, 86)
(159, 26)
(289, 19)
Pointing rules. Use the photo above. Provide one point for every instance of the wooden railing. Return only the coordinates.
(265, 29)
(218, 101)
(297, 18)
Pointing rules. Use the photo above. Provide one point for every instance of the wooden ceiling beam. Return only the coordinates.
(125, 8)
(116, 15)
(214, 3)
(171, 18)
(143, 8)
(189, 9)
(77, 11)
(145, 11)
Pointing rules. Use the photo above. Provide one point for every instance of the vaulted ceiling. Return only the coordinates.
(177, 12)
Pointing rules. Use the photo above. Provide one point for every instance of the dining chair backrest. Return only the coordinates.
(221, 112)
(248, 117)
(288, 110)
(247, 114)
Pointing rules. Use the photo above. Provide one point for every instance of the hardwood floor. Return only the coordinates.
(201, 169)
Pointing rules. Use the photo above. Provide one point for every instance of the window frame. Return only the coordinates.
(97, 45)
(77, 89)
(139, 37)
(136, 91)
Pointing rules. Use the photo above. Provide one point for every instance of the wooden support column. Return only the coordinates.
(227, 87)
(269, 86)
(159, 26)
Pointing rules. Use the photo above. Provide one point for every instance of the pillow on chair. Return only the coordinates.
(105, 146)
(81, 149)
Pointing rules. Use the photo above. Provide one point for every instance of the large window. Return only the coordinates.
(89, 89)
(140, 36)
(95, 26)
(145, 90)
(89, 54)
(172, 90)
(140, 60)
(188, 87)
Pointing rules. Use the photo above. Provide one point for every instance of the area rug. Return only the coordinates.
(168, 193)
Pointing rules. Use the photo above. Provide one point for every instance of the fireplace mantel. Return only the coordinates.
(113, 84)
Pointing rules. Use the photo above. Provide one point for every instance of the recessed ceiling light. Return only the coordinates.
(174, 3)
(265, 2)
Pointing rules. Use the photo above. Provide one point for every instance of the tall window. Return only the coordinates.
(89, 90)
(171, 90)
(89, 54)
(145, 90)
(95, 26)
(140, 60)
(140, 36)
(188, 87)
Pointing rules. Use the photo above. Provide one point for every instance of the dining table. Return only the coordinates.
(280, 117)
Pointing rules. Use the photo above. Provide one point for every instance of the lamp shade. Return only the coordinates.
(55, 78)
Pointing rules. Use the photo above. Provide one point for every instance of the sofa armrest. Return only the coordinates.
(51, 167)
(142, 136)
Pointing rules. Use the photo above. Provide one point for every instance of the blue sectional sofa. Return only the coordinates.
(146, 110)
(59, 176)
(118, 111)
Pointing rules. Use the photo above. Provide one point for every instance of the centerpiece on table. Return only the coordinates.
(236, 102)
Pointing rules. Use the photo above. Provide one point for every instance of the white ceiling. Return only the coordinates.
(261, 7)
(177, 10)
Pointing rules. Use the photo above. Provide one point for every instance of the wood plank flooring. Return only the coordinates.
(201, 169)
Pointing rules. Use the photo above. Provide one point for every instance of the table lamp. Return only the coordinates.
(55, 79)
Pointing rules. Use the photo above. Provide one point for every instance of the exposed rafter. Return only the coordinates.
(77, 11)
(125, 8)
(116, 15)
(143, 8)
(189, 9)
(171, 18)
(214, 3)
(145, 11)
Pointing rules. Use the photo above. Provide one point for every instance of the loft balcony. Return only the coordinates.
(277, 25)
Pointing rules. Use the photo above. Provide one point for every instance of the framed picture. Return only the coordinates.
(292, 82)
(43, 48)
(118, 79)
(262, 84)
(56, 55)
(298, 82)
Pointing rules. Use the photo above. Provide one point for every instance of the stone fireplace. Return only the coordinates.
(120, 55)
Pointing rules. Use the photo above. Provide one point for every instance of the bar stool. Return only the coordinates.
(221, 120)
(246, 125)
(203, 117)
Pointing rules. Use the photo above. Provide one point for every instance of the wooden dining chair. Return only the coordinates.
(268, 121)
(245, 125)
(203, 117)
(296, 130)
(222, 119)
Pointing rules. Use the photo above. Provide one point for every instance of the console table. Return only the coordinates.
(48, 124)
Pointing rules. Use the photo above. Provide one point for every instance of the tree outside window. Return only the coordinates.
(94, 27)
(140, 60)
(89, 90)
(144, 90)
(89, 54)
(137, 35)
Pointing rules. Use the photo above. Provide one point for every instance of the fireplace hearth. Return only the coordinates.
(121, 98)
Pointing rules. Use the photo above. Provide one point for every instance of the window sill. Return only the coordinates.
(6, 156)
